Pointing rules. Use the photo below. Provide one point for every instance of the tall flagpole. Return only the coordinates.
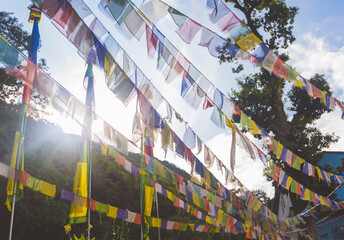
(18, 151)
(90, 103)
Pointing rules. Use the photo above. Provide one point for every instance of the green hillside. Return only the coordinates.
(51, 155)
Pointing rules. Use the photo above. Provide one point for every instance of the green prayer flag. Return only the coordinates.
(211, 198)
(293, 186)
(296, 163)
(102, 208)
(291, 74)
(33, 183)
(183, 226)
(177, 16)
(224, 219)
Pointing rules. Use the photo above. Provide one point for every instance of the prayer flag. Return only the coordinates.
(248, 42)
(152, 42)
(178, 18)
(188, 30)
(220, 11)
(280, 68)
(149, 192)
(228, 22)
(48, 189)
(207, 102)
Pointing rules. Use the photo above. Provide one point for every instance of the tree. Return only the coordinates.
(11, 89)
(263, 96)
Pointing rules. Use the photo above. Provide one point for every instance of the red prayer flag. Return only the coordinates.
(207, 102)
(176, 225)
(138, 219)
(176, 202)
(316, 92)
(206, 228)
(195, 213)
(237, 111)
(276, 172)
(21, 176)
(280, 68)
(25, 73)
(120, 160)
(93, 204)
(206, 205)
(152, 42)
(298, 189)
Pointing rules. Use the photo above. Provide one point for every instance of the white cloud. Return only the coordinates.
(311, 55)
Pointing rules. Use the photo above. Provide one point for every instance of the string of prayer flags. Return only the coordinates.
(306, 194)
(244, 38)
(300, 164)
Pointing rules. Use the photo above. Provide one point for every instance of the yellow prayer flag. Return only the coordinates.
(10, 183)
(218, 228)
(307, 194)
(80, 188)
(169, 195)
(322, 200)
(208, 180)
(159, 168)
(298, 82)
(302, 160)
(279, 150)
(219, 216)
(229, 123)
(289, 180)
(48, 189)
(195, 199)
(104, 148)
(192, 227)
(112, 212)
(207, 219)
(323, 93)
(254, 129)
(149, 191)
(156, 222)
(319, 173)
(248, 42)
(109, 65)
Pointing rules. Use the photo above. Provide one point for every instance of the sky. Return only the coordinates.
(319, 48)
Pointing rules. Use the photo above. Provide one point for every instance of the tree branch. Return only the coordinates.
(247, 13)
